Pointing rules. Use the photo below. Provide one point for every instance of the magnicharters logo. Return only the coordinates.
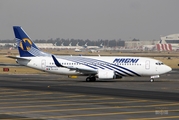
(25, 44)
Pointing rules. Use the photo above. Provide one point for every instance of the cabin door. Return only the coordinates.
(43, 64)
(147, 64)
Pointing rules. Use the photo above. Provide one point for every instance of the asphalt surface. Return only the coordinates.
(55, 97)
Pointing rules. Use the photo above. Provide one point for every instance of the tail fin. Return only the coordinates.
(25, 46)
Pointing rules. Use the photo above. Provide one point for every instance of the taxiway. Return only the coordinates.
(54, 97)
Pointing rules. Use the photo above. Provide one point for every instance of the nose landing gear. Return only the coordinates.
(152, 78)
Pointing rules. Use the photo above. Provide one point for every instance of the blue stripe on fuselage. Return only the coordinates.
(90, 60)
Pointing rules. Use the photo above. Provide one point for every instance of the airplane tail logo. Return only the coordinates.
(25, 46)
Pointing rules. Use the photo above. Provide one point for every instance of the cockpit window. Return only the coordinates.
(159, 63)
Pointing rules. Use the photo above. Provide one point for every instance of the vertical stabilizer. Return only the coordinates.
(24, 44)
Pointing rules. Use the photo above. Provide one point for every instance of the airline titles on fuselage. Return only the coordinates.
(125, 60)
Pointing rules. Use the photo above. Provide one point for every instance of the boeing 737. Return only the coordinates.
(92, 67)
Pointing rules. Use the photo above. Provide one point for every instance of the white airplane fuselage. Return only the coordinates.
(123, 65)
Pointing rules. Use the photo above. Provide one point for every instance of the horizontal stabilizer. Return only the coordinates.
(15, 57)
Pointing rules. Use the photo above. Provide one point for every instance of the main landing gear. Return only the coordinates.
(91, 79)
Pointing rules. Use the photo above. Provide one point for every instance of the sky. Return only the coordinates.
(90, 19)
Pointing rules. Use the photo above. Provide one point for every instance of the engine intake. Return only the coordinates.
(106, 74)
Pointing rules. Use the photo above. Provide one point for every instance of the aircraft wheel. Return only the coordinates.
(93, 79)
(88, 79)
(151, 80)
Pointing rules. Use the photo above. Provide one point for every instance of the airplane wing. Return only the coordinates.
(85, 71)
(82, 70)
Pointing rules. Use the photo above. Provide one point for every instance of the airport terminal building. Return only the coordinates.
(170, 39)
(139, 44)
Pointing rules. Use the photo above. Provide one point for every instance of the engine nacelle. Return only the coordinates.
(106, 74)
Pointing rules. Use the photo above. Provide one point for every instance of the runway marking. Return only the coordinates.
(101, 114)
(67, 96)
(21, 94)
(44, 101)
(94, 108)
(8, 92)
(22, 90)
(67, 104)
(18, 118)
(47, 97)
(11, 89)
(155, 118)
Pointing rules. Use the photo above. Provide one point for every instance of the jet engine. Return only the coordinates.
(106, 74)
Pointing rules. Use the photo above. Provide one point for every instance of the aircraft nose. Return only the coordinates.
(167, 68)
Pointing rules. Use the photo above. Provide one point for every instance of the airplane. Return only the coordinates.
(93, 47)
(101, 67)
(62, 46)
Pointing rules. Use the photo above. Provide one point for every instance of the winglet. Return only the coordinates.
(56, 62)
